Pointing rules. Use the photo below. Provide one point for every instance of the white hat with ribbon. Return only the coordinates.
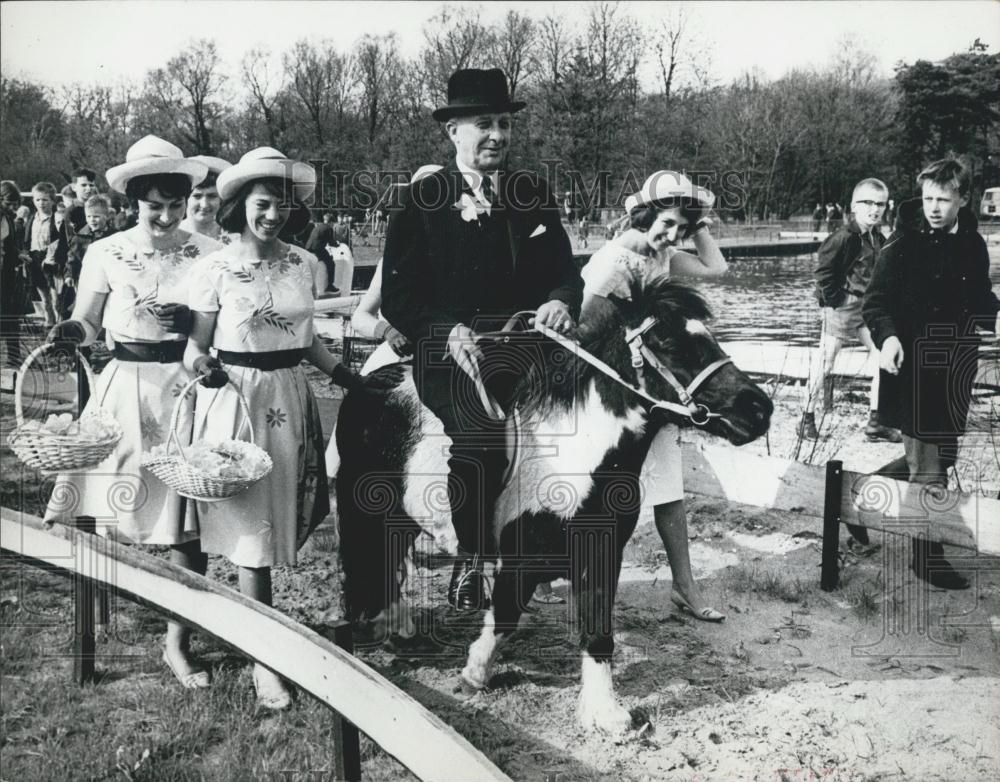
(668, 187)
(153, 155)
(267, 163)
(216, 165)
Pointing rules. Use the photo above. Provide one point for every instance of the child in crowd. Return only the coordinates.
(929, 291)
(846, 260)
(82, 187)
(41, 236)
(97, 212)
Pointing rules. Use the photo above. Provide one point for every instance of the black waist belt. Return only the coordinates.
(168, 352)
(275, 359)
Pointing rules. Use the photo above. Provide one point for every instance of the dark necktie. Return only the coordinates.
(487, 188)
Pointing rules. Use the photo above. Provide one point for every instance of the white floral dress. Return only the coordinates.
(263, 306)
(610, 272)
(127, 502)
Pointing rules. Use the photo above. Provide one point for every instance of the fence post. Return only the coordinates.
(346, 739)
(830, 575)
(84, 640)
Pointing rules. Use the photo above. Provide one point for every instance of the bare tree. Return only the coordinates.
(513, 42)
(193, 81)
(320, 79)
(265, 90)
(455, 38)
(553, 48)
(377, 68)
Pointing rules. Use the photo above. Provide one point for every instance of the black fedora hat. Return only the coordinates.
(475, 91)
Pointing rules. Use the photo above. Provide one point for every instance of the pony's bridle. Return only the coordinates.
(699, 414)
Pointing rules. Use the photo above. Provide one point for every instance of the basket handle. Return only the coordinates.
(175, 415)
(29, 360)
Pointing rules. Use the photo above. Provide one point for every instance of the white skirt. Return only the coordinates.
(662, 476)
(128, 503)
(266, 524)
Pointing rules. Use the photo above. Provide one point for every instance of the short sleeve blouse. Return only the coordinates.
(262, 306)
(136, 279)
(612, 268)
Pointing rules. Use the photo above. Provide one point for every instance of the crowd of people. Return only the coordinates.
(212, 270)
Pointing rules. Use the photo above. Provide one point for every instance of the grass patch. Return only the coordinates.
(767, 583)
(864, 600)
(136, 722)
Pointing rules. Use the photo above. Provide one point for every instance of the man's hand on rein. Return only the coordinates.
(555, 315)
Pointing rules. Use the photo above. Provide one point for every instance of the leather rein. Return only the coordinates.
(699, 414)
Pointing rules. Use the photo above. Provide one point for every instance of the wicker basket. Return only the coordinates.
(174, 469)
(51, 452)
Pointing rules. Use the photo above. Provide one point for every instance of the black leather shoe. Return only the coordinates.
(467, 590)
(930, 565)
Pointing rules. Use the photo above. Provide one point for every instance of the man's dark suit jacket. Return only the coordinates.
(440, 270)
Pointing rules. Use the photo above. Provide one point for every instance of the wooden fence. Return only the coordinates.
(391, 718)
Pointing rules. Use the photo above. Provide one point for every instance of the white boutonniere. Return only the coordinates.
(470, 208)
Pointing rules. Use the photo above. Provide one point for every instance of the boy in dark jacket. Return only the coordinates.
(97, 212)
(929, 291)
(846, 260)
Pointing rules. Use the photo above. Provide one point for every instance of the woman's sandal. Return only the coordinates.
(271, 691)
(197, 679)
(548, 598)
(706, 614)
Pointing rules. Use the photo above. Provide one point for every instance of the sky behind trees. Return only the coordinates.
(614, 91)
(103, 40)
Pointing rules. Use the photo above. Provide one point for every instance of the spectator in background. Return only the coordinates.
(41, 236)
(20, 220)
(844, 267)
(13, 286)
(819, 215)
(929, 291)
(834, 217)
(342, 230)
(321, 235)
(584, 231)
(126, 218)
(97, 211)
(75, 195)
(203, 203)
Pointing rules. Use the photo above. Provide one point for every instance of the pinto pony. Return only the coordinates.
(571, 499)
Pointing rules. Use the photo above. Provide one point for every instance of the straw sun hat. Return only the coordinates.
(666, 186)
(153, 155)
(265, 163)
(215, 165)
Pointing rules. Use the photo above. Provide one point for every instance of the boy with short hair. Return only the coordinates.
(97, 211)
(41, 236)
(846, 260)
(83, 185)
(929, 291)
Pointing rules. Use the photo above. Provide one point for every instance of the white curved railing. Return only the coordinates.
(418, 739)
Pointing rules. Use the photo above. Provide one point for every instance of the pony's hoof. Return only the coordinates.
(467, 689)
(605, 716)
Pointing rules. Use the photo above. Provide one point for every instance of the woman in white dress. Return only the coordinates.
(253, 302)
(204, 201)
(134, 284)
(667, 207)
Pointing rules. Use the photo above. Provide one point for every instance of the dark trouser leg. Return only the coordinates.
(927, 466)
(475, 470)
(477, 454)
